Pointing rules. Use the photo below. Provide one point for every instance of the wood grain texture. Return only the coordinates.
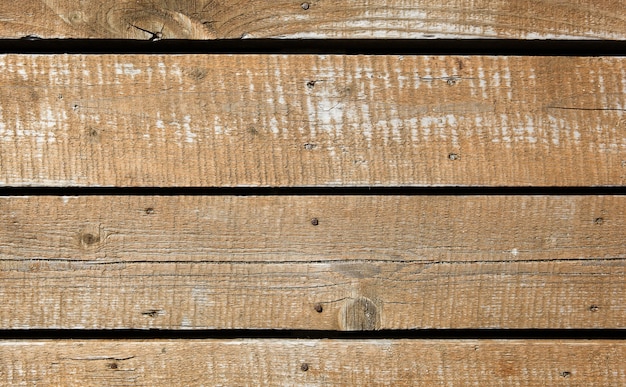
(314, 363)
(209, 19)
(266, 120)
(371, 262)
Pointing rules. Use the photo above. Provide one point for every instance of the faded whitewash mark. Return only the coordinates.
(482, 82)
(162, 69)
(39, 130)
(352, 101)
(127, 69)
(554, 129)
(333, 113)
(218, 129)
(189, 135)
(66, 199)
(507, 83)
(21, 70)
(202, 297)
(429, 21)
(430, 32)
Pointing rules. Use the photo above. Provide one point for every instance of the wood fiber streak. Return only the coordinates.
(268, 120)
(314, 363)
(413, 19)
(371, 262)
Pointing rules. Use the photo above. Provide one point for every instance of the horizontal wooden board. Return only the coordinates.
(330, 262)
(207, 19)
(313, 363)
(267, 120)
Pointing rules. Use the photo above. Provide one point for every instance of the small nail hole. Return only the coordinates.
(454, 156)
(149, 211)
(315, 221)
(319, 308)
(305, 6)
(594, 308)
(310, 84)
(304, 367)
(598, 220)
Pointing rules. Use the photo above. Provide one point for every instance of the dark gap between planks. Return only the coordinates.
(35, 45)
(439, 334)
(310, 191)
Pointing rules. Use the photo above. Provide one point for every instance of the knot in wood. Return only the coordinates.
(360, 314)
(89, 239)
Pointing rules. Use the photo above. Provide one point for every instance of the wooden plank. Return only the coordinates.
(267, 120)
(421, 19)
(314, 362)
(370, 262)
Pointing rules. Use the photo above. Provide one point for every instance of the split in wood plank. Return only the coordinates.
(415, 19)
(314, 362)
(330, 263)
(270, 120)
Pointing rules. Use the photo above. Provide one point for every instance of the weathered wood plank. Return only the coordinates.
(314, 363)
(206, 19)
(371, 262)
(266, 120)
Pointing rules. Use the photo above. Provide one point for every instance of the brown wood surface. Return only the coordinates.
(313, 363)
(371, 262)
(268, 120)
(208, 19)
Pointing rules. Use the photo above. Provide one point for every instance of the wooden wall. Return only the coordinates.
(289, 218)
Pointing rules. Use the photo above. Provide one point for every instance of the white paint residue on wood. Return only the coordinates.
(21, 70)
(273, 123)
(177, 72)
(183, 131)
(506, 76)
(451, 122)
(528, 132)
(554, 130)
(278, 122)
(186, 322)
(127, 69)
(218, 129)
(551, 36)
(393, 120)
(505, 136)
(162, 69)
(330, 114)
(482, 82)
(38, 130)
(48, 118)
(66, 199)
(189, 135)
